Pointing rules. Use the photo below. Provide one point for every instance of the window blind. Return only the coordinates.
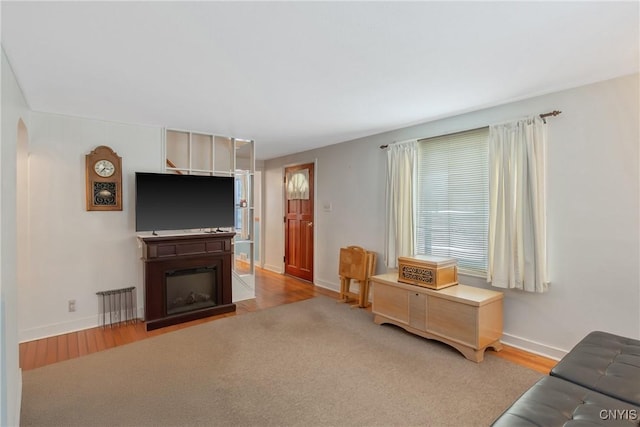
(453, 198)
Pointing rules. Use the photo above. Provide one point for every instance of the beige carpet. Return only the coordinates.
(314, 362)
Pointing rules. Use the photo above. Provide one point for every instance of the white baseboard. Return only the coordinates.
(57, 328)
(533, 347)
(327, 285)
(94, 321)
(336, 286)
(273, 268)
(61, 328)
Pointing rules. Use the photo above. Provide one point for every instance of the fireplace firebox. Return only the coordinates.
(187, 277)
(190, 289)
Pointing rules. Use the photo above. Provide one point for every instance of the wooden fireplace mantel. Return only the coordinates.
(162, 254)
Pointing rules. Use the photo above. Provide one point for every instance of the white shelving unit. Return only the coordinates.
(197, 153)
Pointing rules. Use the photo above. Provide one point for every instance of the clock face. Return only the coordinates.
(104, 168)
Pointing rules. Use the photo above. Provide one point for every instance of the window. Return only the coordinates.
(453, 199)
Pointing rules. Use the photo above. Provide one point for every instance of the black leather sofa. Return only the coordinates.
(596, 384)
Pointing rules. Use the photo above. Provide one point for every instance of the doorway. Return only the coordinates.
(22, 215)
(299, 216)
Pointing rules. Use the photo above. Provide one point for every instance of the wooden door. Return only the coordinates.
(298, 246)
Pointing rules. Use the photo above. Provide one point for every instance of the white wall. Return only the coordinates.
(350, 177)
(74, 253)
(14, 108)
(593, 211)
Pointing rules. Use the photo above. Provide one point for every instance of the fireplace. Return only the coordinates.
(187, 277)
(190, 289)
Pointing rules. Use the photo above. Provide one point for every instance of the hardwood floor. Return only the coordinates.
(272, 289)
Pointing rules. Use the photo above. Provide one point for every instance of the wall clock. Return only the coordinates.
(104, 180)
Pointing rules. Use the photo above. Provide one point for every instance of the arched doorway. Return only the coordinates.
(22, 212)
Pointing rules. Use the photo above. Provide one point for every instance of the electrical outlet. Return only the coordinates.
(72, 305)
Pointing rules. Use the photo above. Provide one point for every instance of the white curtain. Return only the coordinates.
(400, 215)
(517, 212)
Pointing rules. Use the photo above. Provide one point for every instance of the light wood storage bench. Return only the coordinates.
(464, 317)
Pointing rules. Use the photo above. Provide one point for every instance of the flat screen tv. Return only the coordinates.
(183, 202)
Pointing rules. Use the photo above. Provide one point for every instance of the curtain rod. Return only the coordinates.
(549, 114)
(543, 116)
(382, 147)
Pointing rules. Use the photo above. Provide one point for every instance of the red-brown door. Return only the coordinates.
(298, 239)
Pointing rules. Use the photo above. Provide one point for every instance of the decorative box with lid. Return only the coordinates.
(429, 271)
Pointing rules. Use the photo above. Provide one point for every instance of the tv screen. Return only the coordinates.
(181, 202)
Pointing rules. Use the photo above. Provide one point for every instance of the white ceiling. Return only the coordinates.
(300, 75)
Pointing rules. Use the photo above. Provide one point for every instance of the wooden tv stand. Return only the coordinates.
(464, 317)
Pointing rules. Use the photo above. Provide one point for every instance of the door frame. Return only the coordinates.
(315, 213)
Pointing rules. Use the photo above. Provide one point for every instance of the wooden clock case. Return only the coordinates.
(96, 183)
